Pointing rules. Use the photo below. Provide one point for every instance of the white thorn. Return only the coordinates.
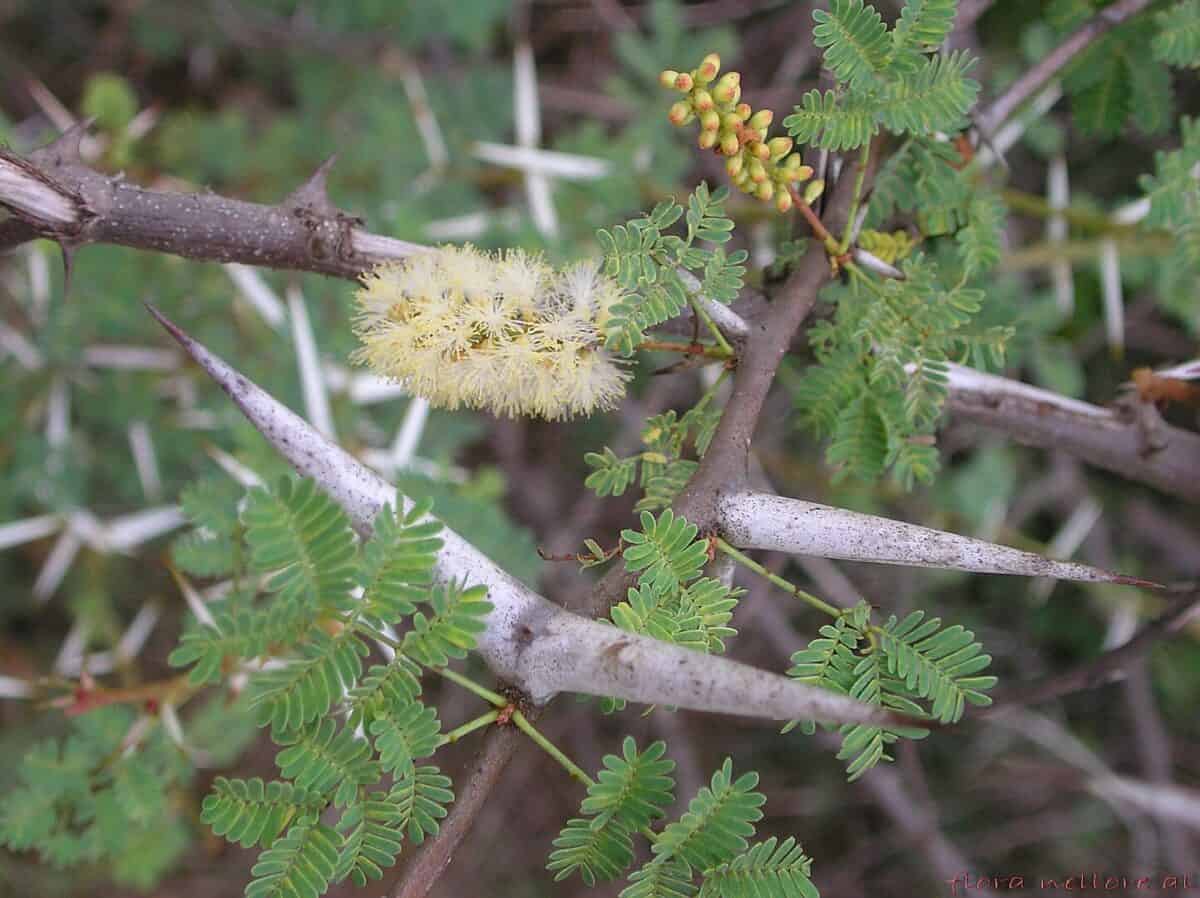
(568, 166)
(408, 437)
(16, 533)
(11, 687)
(56, 565)
(137, 632)
(145, 460)
(256, 291)
(58, 413)
(130, 358)
(234, 468)
(125, 533)
(15, 343)
(312, 383)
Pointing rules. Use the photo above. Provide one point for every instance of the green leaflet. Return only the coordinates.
(251, 812)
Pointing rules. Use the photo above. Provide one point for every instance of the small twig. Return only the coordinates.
(470, 726)
(694, 349)
(436, 853)
(712, 328)
(470, 685)
(748, 562)
(526, 726)
(864, 159)
(1101, 668)
(1053, 62)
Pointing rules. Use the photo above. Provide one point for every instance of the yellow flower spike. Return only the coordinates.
(667, 78)
(730, 144)
(709, 66)
(702, 100)
(813, 191)
(680, 113)
(505, 333)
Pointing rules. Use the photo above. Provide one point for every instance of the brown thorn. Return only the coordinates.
(64, 149)
(314, 193)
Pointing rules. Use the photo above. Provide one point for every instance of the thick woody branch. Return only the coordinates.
(1055, 61)
(53, 194)
(725, 465)
(1131, 441)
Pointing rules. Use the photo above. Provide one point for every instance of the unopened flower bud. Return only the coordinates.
(779, 146)
(801, 173)
(730, 122)
(783, 202)
(684, 81)
(762, 119)
(730, 144)
(710, 120)
(679, 113)
(709, 66)
(667, 78)
(734, 164)
(765, 191)
(813, 191)
(758, 174)
(724, 90)
(702, 100)
(743, 111)
(762, 151)
(707, 139)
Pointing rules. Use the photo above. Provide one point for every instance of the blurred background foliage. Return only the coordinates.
(248, 98)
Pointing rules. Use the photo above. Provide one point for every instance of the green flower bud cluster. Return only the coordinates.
(759, 165)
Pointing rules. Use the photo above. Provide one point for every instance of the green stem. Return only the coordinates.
(494, 698)
(747, 561)
(685, 347)
(711, 325)
(1040, 207)
(864, 157)
(469, 727)
(370, 632)
(866, 280)
(550, 748)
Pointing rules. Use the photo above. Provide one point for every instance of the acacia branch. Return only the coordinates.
(436, 853)
(1138, 447)
(528, 641)
(725, 464)
(1103, 667)
(1053, 62)
(53, 194)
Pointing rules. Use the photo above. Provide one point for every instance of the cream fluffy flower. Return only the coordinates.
(505, 333)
